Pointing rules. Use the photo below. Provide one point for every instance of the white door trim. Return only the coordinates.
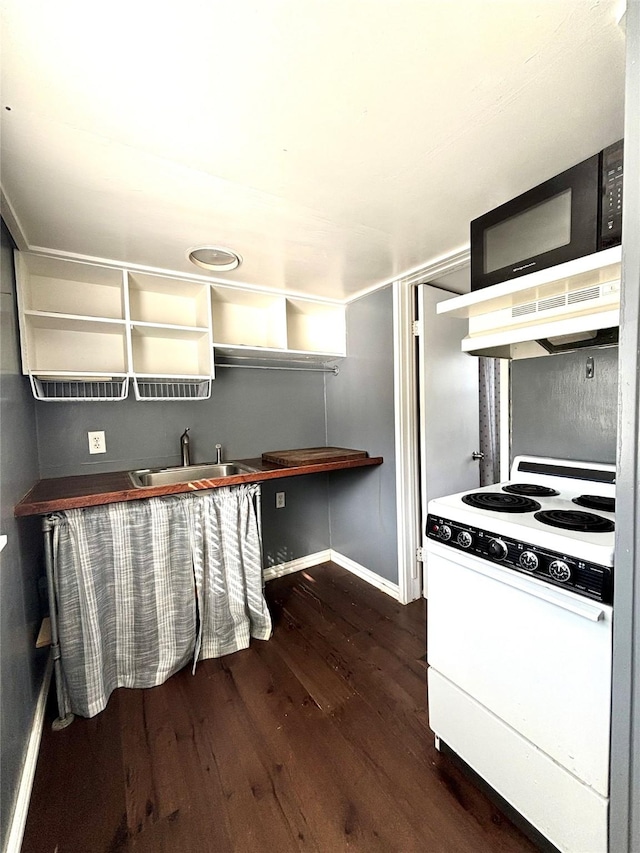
(406, 443)
(406, 420)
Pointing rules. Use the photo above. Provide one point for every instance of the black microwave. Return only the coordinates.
(576, 213)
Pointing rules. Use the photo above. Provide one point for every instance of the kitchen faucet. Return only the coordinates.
(218, 454)
(185, 448)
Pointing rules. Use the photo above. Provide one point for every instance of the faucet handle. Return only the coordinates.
(218, 454)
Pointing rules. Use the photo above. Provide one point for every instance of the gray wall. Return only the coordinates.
(250, 411)
(360, 414)
(301, 527)
(556, 411)
(21, 667)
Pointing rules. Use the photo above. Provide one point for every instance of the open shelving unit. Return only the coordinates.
(73, 328)
(61, 343)
(246, 319)
(315, 327)
(269, 327)
(166, 355)
(70, 288)
(86, 330)
(168, 301)
(171, 356)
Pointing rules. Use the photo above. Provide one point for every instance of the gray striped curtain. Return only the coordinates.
(145, 587)
(489, 407)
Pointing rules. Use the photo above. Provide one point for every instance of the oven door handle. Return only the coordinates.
(592, 612)
(589, 611)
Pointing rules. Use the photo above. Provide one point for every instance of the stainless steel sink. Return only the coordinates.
(187, 473)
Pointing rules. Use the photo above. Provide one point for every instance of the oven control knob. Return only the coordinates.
(560, 571)
(529, 561)
(497, 549)
(464, 539)
(444, 532)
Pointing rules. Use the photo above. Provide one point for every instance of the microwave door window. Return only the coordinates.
(541, 228)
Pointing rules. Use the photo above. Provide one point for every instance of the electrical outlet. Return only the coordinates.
(279, 500)
(97, 442)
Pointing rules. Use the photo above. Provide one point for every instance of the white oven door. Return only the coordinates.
(537, 657)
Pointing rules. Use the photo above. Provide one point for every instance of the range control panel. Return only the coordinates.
(580, 576)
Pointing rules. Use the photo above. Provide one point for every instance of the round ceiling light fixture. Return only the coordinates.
(214, 258)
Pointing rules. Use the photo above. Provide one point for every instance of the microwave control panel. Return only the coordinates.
(611, 210)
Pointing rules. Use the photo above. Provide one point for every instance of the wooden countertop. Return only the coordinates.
(94, 489)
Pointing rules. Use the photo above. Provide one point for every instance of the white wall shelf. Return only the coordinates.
(244, 318)
(171, 355)
(167, 351)
(55, 343)
(72, 320)
(271, 324)
(168, 301)
(69, 288)
(80, 320)
(315, 327)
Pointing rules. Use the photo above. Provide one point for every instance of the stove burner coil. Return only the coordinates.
(596, 502)
(499, 502)
(570, 519)
(531, 490)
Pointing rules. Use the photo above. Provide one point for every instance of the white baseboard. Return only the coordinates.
(288, 568)
(19, 817)
(339, 559)
(367, 575)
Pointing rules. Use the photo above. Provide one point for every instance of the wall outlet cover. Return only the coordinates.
(97, 442)
(280, 501)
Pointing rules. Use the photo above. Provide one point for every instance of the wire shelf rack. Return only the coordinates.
(163, 388)
(76, 389)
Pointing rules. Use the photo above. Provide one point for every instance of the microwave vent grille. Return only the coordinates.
(560, 301)
(584, 295)
(552, 302)
(522, 310)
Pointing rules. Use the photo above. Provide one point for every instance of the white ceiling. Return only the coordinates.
(335, 144)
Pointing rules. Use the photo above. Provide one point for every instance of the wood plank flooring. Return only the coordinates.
(316, 740)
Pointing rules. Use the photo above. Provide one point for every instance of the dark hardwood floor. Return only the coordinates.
(316, 740)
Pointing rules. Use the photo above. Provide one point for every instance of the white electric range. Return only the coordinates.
(520, 580)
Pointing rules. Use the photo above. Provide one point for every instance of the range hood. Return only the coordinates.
(565, 307)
